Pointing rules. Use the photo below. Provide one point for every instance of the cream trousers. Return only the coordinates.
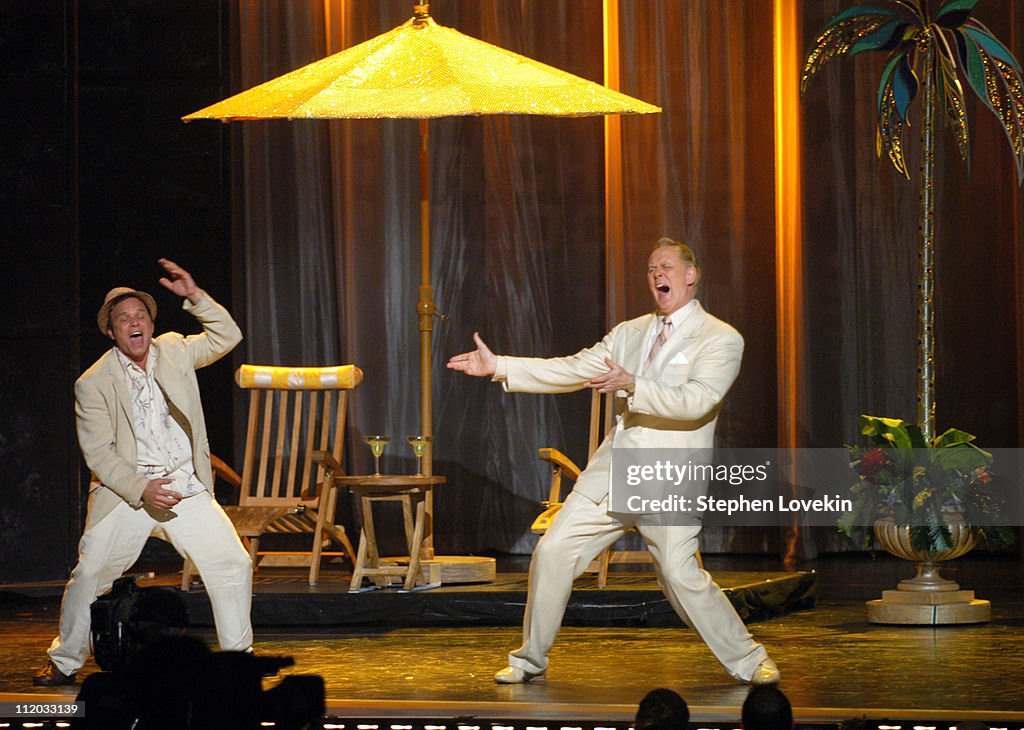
(199, 529)
(578, 534)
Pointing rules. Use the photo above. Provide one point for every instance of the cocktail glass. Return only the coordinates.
(377, 444)
(419, 447)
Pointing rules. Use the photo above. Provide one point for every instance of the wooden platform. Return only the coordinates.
(413, 668)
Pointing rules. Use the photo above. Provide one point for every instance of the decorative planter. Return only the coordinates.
(895, 539)
(927, 598)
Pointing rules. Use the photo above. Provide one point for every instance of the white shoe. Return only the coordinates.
(515, 675)
(766, 673)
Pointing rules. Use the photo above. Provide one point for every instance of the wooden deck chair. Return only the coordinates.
(285, 486)
(562, 467)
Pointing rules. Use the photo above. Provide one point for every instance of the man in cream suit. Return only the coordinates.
(671, 370)
(142, 432)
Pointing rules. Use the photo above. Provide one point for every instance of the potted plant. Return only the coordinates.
(921, 501)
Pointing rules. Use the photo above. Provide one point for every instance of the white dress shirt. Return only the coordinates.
(162, 446)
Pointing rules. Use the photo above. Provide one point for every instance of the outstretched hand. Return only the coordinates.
(180, 281)
(615, 379)
(480, 362)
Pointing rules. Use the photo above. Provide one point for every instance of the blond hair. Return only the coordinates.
(684, 251)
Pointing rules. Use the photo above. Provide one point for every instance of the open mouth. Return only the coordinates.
(135, 336)
(663, 288)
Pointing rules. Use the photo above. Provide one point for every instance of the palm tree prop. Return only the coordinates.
(927, 53)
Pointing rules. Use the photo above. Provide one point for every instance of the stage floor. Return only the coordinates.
(835, 666)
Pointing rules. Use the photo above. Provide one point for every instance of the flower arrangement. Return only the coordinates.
(926, 486)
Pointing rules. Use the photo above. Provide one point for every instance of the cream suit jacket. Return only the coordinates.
(103, 408)
(676, 400)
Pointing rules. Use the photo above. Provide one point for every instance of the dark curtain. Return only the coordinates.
(284, 220)
(329, 241)
(703, 172)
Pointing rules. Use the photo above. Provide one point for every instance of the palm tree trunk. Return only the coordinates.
(926, 254)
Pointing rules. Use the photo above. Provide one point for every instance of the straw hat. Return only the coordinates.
(114, 296)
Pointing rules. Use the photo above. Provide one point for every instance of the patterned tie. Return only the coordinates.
(660, 340)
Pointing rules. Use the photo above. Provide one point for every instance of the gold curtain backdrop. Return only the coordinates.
(328, 240)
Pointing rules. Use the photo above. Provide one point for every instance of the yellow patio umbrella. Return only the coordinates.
(421, 70)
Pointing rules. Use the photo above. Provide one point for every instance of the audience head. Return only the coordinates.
(662, 709)
(766, 708)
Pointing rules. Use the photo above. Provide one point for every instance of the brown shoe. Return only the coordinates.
(49, 676)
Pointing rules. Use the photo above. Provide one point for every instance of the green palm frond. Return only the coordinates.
(860, 28)
(995, 76)
(952, 101)
(896, 89)
(900, 27)
(955, 13)
(987, 40)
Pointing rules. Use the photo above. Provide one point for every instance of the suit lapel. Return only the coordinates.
(635, 346)
(116, 374)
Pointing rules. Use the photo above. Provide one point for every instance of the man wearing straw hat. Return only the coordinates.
(670, 370)
(142, 432)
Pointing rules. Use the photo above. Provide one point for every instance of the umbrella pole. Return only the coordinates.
(425, 310)
(425, 306)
